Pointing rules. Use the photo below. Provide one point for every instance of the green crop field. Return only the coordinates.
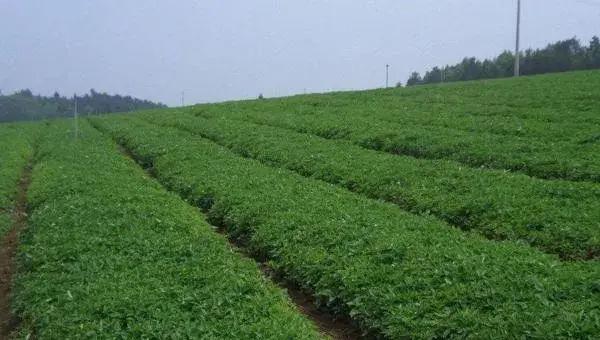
(452, 211)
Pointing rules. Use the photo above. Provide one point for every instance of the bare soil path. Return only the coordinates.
(10, 242)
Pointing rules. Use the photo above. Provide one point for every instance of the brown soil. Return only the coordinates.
(10, 242)
(336, 328)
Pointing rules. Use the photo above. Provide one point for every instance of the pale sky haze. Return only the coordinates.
(235, 49)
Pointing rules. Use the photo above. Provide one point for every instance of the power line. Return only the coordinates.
(387, 75)
(75, 116)
(517, 52)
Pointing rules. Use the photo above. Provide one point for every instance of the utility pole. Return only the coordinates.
(182, 98)
(517, 51)
(387, 75)
(76, 116)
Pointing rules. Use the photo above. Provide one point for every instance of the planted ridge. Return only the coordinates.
(335, 327)
(108, 253)
(535, 134)
(397, 275)
(501, 206)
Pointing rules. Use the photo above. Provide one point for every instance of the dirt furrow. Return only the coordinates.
(10, 242)
(328, 324)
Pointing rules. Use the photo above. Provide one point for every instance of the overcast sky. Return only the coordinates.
(234, 49)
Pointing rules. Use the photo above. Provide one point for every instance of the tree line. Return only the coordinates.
(561, 56)
(24, 105)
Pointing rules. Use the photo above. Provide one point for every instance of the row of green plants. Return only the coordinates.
(549, 107)
(537, 158)
(16, 149)
(110, 254)
(396, 274)
(482, 119)
(543, 132)
(559, 217)
(557, 92)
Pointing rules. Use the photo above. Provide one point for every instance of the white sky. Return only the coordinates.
(234, 49)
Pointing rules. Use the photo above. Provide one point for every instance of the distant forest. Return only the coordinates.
(565, 55)
(24, 105)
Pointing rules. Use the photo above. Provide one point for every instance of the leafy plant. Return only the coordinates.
(110, 254)
(397, 274)
(494, 203)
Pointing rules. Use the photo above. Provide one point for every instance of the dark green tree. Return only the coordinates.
(593, 53)
(561, 56)
(415, 79)
(23, 105)
(433, 76)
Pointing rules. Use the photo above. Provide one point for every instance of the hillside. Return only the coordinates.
(451, 211)
(544, 126)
